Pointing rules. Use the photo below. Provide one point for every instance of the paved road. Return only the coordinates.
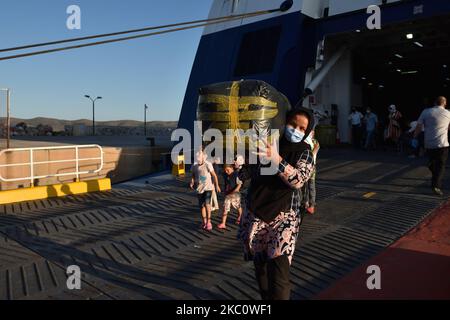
(142, 241)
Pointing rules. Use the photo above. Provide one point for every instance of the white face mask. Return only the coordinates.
(293, 135)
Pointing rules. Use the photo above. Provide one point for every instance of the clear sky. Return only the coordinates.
(128, 74)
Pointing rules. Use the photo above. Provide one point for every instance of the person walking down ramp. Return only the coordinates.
(371, 121)
(271, 222)
(201, 181)
(436, 122)
(232, 194)
(394, 130)
(355, 118)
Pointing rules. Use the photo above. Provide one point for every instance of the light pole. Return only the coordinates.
(93, 111)
(145, 120)
(8, 117)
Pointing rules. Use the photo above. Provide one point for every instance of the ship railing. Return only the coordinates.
(32, 163)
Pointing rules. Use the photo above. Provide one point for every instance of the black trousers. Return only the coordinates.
(273, 278)
(438, 160)
(356, 136)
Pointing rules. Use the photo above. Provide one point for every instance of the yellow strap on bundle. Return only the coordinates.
(222, 102)
(257, 115)
(234, 106)
(232, 111)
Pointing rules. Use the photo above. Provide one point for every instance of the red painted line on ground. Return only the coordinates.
(417, 266)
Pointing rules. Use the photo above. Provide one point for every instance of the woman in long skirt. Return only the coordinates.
(394, 130)
(271, 222)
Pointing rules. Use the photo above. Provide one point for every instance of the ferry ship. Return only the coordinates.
(83, 221)
(327, 43)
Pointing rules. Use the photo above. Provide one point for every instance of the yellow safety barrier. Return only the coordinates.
(51, 191)
(179, 169)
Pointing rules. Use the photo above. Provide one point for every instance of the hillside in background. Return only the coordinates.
(58, 125)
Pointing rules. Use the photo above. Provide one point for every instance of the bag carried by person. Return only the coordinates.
(241, 105)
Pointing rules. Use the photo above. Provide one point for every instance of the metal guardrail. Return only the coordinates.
(32, 163)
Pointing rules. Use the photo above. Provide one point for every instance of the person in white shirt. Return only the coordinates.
(201, 181)
(436, 122)
(355, 118)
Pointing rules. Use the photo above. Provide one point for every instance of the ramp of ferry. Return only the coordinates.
(142, 240)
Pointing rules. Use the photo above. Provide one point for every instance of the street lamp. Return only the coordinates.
(145, 120)
(8, 117)
(93, 111)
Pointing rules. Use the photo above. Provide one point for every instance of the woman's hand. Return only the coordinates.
(269, 152)
(316, 147)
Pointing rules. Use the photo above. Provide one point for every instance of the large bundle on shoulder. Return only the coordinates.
(241, 105)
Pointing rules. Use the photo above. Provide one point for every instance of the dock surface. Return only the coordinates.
(143, 240)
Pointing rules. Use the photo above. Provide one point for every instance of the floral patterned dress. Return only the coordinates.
(264, 241)
(394, 130)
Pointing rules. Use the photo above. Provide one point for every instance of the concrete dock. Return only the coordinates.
(142, 239)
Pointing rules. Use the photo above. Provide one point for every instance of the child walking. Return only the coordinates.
(202, 174)
(232, 194)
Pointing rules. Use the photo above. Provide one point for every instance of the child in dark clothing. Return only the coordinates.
(232, 195)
